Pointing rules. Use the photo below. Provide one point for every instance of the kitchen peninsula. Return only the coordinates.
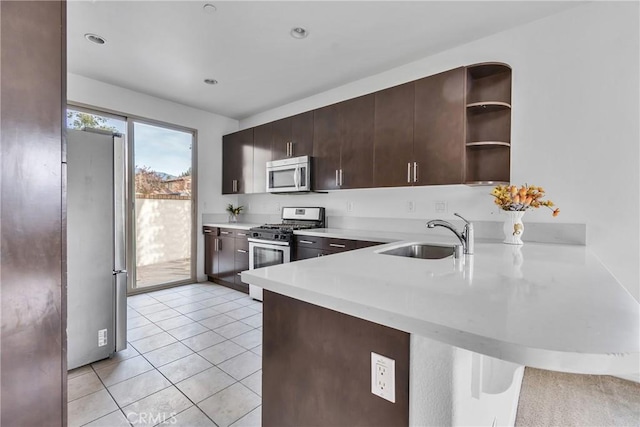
(453, 327)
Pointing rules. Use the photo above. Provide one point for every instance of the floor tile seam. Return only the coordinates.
(167, 330)
(167, 345)
(246, 413)
(146, 318)
(220, 391)
(148, 370)
(157, 348)
(85, 395)
(175, 360)
(168, 318)
(179, 391)
(149, 336)
(117, 410)
(104, 387)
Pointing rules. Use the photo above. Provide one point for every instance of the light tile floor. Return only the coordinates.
(194, 358)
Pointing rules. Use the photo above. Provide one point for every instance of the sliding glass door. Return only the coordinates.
(161, 164)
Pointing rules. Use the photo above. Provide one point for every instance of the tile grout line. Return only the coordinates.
(208, 329)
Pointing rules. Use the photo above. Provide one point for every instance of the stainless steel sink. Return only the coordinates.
(425, 251)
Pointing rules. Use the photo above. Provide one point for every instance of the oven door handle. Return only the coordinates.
(266, 243)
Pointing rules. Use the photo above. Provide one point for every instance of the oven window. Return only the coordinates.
(264, 257)
(282, 179)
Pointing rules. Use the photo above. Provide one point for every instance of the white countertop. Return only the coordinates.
(549, 306)
(235, 225)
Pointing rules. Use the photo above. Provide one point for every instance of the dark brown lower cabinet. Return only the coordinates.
(226, 254)
(241, 259)
(316, 367)
(305, 247)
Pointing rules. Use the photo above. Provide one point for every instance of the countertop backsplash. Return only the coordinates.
(541, 232)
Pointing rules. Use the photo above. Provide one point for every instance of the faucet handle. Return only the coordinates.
(460, 216)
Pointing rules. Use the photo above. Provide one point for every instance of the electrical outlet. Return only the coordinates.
(441, 207)
(383, 377)
(350, 206)
(411, 206)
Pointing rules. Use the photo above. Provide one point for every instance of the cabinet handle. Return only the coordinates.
(337, 182)
(415, 171)
(207, 231)
(242, 234)
(409, 172)
(225, 232)
(340, 177)
(242, 251)
(216, 246)
(234, 188)
(337, 245)
(308, 242)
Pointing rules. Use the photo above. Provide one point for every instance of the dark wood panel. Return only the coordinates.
(317, 367)
(302, 134)
(393, 137)
(326, 147)
(338, 245)
(366, 244)
(438, 141)
(33, 280)
(210, 254)
(262, 141)
(356, 155)
(237, 162)
(226, 258)
(281, 137)
(302, 252)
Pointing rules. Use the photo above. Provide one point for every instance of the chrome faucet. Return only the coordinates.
(466, 237)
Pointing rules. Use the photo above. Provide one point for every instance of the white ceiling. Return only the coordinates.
(167, 48)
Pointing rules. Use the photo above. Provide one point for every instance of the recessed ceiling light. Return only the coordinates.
(209, 8)
(299, 33)
(94, 38)
(211, 81)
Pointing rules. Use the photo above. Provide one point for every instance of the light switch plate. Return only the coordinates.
(383, 377)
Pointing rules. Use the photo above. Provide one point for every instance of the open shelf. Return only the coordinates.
(488, 121)
(486, 183)
(485, 143)
(487, 106)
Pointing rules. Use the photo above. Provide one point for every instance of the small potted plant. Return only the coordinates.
(234, 212)
(515, 202)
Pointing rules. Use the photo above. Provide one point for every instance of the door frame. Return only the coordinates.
(130, 183)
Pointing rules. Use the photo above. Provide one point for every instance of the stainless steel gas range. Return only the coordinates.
(270, 244)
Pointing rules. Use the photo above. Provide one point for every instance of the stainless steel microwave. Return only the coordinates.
(289, 175)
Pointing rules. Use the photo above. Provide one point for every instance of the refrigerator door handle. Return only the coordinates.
(120, 281)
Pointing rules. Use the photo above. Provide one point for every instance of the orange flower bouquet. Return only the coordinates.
(512, 198)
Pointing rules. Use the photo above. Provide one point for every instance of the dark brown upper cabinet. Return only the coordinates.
(356, 150)
(237, 162)
(393, 136)
(262, 142)
(438, 148)
(343, 145)
(326, 147)
(293, 136)
(450, 128)
(488, 122)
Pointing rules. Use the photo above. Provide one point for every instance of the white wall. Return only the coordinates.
(574, 130)
(161, 230)
(210, 129)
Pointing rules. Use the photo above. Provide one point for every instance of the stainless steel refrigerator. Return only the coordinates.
(96, 272)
